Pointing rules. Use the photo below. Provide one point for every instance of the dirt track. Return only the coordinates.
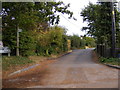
(75, 70)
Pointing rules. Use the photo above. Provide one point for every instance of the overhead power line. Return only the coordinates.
(69, 21)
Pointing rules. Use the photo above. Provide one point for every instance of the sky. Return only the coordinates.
(76, 6)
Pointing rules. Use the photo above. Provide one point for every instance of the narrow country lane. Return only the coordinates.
(51, 44)
(77, 70)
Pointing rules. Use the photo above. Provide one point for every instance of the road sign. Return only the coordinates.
(19, 30)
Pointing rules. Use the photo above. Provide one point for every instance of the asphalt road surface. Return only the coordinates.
(78, 70)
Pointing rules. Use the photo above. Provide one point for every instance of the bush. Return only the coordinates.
(75, 41)
(26, 41)
(53, 41)
(114, 61)
(27, 44)
(9, 39)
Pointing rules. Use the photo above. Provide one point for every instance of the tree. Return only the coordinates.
(17, 15)
(89, 41)
(99, 21)
(29, 16)
(52, 42)
(75, 41)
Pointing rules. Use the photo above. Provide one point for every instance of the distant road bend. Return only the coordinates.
(77, 70)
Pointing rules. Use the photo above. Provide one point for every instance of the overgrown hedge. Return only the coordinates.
(52, 42)
(44, 43)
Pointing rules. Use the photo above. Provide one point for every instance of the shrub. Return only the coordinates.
(114, 61)
(51, 42)
(27, 44)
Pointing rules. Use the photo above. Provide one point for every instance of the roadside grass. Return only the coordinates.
(14, 63)
(113, 61)
(11, 61)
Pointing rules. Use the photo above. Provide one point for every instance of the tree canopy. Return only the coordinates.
(99, 18)
(34, 18)
(30, 15)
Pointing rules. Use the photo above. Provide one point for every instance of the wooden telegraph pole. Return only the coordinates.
(113, 31)
(17, 49)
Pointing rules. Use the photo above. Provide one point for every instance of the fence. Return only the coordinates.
(103, 51)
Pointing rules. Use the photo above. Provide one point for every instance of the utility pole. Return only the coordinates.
(113, 31)
(17, 49)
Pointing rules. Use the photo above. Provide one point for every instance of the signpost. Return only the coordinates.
(17, 49)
